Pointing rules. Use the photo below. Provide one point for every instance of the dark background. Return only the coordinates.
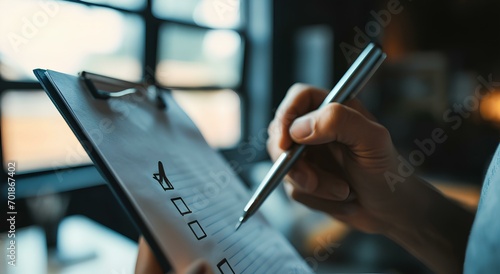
(436, 50)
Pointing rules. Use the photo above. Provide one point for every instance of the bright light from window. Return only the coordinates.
(221, 44)
(215, 113)
(35, 135)
(196, 57)
(490, 107)
(211, 13)
(218, 13)
(67, 37)
(126, 4)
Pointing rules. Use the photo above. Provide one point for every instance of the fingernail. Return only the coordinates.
(302, 128)
(299, 178)
(341, 191)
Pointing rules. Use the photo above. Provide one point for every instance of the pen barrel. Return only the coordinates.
(347, 87)
(357, 75)
(274, 177)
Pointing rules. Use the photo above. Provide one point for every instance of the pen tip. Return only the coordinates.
(240, 221)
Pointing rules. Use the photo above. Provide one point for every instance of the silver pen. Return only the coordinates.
(348, 86)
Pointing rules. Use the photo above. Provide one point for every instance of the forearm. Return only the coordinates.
(437, 229)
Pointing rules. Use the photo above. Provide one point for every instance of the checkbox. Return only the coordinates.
(181, 206)
(224, 267)
(197, 230)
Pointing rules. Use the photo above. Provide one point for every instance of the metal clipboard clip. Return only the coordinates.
(112, 88)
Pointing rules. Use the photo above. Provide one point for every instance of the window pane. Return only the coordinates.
(35, 135)
(191, 56)
(125, 4)
(68, 37)
(215, 113)
(211, 13)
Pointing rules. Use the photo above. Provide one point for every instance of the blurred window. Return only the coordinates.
(216, 113)
(35, 135)
(68, 37)
(124, 4)
(210, 13)
(199, 45)
(191, 56)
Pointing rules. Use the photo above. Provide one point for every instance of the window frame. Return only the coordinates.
(251, 125)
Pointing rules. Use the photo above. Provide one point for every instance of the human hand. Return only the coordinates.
(342, 172)
(147, 264)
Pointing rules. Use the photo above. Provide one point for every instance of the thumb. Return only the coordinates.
(339, 123)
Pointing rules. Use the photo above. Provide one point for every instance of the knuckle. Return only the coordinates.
(382, 133)
(296, 194)
(297, 88)
(337, 115)
(286, 118)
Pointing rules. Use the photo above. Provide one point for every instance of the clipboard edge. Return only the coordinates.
(114, 186)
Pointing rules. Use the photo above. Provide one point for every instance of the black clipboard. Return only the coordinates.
(181, 194)
(111, 180)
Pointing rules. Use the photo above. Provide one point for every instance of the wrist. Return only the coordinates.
(436, 228)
